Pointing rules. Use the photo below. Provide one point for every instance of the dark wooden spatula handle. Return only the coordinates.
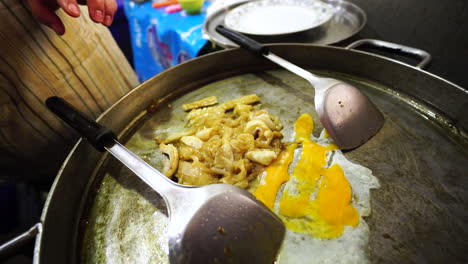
(242, 40)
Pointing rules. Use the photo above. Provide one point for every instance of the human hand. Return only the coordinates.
(100, 11)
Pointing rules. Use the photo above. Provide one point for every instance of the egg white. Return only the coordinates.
(352, 245)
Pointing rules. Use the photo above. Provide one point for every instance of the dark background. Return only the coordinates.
(439, 27)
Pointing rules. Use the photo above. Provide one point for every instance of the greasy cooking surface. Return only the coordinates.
(419, 212)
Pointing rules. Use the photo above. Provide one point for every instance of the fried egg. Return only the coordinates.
(321, 197)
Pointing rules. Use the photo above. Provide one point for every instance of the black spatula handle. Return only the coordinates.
(242, 40)
(98, 135)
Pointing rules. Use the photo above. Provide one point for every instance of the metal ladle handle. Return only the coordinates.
(12, 246)
(260, 49)
(422, 55)
(104, 139)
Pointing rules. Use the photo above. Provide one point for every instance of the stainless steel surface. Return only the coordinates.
(347, 21)
(250, 231)
(419, 156)
(280, 21)
(424, 56)
(344, 111)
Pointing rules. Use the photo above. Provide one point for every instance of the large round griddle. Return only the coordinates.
(419, 156)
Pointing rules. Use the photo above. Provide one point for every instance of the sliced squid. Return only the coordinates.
(171, 164)
(244, 100)
(195, 173)
(204, 134)
(256, 127)
(192, 141)
(262, 156)
(226, 143)
(212, 100)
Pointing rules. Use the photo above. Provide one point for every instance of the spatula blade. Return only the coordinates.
(349, 117)
(227, 228)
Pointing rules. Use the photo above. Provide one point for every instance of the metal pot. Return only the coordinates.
(420, 156)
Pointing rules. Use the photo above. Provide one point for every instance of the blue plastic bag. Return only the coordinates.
(161, 40)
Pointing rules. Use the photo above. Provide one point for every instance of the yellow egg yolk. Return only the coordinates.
(317, 200)
(275, 175)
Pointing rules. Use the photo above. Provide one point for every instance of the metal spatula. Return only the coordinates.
(347, 114)
(217, 223)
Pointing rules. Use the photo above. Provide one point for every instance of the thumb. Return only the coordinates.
(70, 7)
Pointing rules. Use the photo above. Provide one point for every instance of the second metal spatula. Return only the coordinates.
(216, 223)
(347, 114)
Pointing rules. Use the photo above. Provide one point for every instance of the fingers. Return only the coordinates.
(96, 10)
(45, 14)
(111, 8)
(102, 11)
(70, 7)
